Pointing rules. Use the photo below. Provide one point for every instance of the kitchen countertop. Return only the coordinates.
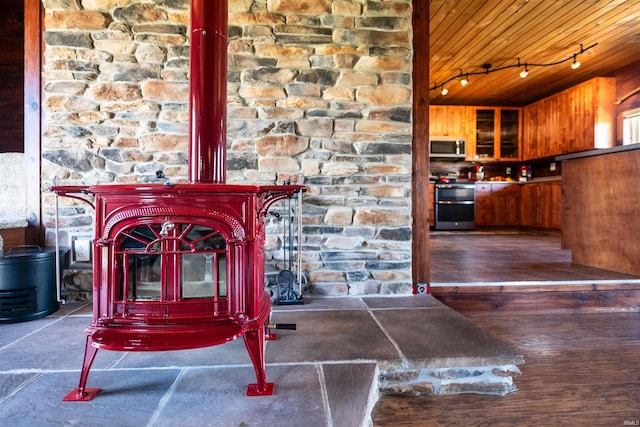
(533, 181)
(598, 152)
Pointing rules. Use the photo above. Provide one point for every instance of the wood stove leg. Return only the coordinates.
(254, 340)
(82, 394)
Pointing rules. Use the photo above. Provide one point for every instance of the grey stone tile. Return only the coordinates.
(11, 383)
(329, 336)
(11, 332)
(74, 309)
(129, 398)
(442, 338)
(351, 389)
(59, 345)
(216, 397)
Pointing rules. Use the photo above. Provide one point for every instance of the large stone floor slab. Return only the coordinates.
(330, 336)
(327, 372)
(442, 338)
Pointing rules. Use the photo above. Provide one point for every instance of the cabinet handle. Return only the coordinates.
(449, 202)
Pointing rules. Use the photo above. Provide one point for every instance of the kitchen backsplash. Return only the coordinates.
(541, 168)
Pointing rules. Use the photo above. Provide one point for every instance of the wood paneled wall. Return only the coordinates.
(11, 70)
(627, 82)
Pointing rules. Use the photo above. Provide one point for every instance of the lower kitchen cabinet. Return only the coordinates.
(540, 204)
(505, 200)
(497, 204)
(534, 204)
(483, 204)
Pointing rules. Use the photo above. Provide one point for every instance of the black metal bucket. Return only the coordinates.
(28, 286)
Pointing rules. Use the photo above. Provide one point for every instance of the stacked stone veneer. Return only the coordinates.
(319, 88)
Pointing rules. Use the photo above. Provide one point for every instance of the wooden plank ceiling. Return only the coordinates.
(466, 34)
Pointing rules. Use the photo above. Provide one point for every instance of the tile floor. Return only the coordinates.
(325, 371)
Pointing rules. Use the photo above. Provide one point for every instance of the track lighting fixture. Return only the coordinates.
(487, 68)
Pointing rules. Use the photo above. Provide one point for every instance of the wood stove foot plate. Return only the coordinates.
(76, 396)
(253, 390)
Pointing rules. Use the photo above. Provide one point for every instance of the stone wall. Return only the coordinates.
(319, 89)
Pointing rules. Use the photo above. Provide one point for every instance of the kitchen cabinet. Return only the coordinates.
(577, 119)
(497, 134)
(541, 204)
(509, 204)
(497, 204)
(449, 120)
(505, 200)
(483, 204)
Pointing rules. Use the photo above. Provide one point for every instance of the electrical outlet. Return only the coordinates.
(81, 249)
(508, 172)
(552, 167)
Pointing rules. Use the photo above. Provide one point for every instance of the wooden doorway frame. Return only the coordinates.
(34, 234)
(420, 149)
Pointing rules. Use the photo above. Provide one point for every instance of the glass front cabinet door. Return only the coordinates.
(497, 133)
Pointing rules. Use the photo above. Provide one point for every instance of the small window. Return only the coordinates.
(631, 127)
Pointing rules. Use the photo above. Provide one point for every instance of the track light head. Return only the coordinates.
(575, 63)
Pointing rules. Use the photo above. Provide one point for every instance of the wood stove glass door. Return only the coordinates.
(169, 269)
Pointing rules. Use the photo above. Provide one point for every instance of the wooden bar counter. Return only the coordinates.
(601, 208)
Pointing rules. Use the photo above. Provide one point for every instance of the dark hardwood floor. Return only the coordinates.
(578, 328)
(581, 368)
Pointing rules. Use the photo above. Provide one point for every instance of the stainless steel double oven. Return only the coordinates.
(455, 206)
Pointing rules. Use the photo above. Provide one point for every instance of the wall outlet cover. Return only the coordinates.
(81, 250)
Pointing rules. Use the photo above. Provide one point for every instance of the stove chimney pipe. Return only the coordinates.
(208, 91)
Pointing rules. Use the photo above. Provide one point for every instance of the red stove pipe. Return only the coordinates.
(208, 91)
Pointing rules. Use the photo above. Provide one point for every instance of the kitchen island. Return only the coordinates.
(601, 207)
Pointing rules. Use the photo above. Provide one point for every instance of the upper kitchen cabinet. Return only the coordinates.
(497, 134)
(449, 120)
(577, 119)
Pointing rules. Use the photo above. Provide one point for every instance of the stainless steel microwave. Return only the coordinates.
(454, 147)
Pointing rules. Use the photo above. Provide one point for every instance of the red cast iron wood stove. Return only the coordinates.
(182, 266)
